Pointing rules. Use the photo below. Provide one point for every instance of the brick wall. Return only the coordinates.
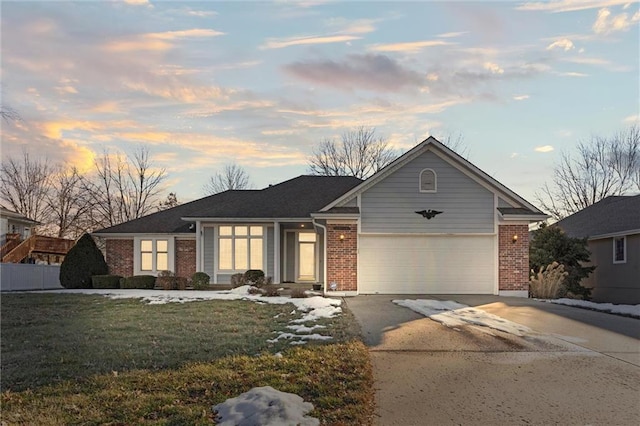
(342, 256)
(513, 257)
(185, 258)
(120, 257)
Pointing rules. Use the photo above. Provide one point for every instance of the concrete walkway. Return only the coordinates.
(578, 367)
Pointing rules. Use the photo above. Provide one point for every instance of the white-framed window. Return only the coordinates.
(428, 181)
(619, 249)
(240, 247)
(153, 254)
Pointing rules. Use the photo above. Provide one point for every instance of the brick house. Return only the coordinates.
(430, 222)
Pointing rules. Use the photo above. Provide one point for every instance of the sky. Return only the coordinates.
(260, 84)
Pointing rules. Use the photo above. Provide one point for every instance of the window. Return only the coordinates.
(428, 181)
(154, 255)
(619, 249)
(240, 248)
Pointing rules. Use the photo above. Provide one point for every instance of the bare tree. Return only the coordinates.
(25, 185)
(232, 176)
(9, 114)
(359, 153)
(123, 188)
(600, 168)
(455, 142)
(66, 203)
(170, 202)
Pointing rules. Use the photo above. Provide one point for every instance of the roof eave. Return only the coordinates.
(615, 234)
(325, 215)
(524, 217)
(246, 219)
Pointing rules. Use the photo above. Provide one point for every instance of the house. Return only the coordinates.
(430, 222)
(612, 229)
(19, 244)
(14, 225)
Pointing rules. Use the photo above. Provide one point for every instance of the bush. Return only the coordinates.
(550, 244)
(237, 280)
(254, 276)
(147, 282)
(270, 290)
(82, 262)
(106, 281)
(298, 293)
(548, 283)
(200, 281)
(169, 281)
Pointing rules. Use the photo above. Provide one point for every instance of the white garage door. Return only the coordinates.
(427, 264)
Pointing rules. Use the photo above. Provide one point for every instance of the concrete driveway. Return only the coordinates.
(577, 367)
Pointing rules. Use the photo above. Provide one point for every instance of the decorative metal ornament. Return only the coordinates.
(428, 213)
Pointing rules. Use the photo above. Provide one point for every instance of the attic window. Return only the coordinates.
(428, 181)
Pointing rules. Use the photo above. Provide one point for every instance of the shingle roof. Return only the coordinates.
(295, 198)
(608, 216)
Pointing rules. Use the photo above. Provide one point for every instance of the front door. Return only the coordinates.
(306, 257)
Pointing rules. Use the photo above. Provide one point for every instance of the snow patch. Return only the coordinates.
(453, 314)
(631, 310)
(265, 406)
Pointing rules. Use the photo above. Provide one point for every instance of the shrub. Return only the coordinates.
(200, 281)
(167, 280)
(82, 262)
(106, 281)
(237, 280)
(550, 244)
(270, 290)
(147, 282)
(548, 283)
(253, 276)
(298, 293)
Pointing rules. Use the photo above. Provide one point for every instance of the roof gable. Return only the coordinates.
(453, 159)
(611, 215)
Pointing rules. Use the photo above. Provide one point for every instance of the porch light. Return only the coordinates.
(514, 238)
(341, 237)
(302, 225)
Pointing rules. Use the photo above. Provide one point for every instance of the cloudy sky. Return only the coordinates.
(260, 83)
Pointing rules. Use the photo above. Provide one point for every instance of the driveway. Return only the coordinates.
(576, 367)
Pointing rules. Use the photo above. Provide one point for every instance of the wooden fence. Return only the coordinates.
(24, 276)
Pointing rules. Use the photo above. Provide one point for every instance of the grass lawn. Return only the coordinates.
(84, 359)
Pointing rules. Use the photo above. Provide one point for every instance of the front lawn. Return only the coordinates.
(69, 359)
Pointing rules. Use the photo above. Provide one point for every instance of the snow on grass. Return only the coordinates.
(631, 310)
(453, 314)
(315, 308)
(265, 406)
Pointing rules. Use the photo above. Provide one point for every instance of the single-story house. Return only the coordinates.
(612, 229)
(430, 222)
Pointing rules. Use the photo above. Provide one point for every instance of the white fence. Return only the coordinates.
(24, 276)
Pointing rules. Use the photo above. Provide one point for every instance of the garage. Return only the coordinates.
(410, 264)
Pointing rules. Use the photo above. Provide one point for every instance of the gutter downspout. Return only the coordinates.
(324, 284)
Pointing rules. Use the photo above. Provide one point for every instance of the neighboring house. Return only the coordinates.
(19, 244)
(14, 225)
(430, 222)
(612, 229)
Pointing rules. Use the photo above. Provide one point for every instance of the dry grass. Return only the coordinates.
(548, 283)
(72, 359)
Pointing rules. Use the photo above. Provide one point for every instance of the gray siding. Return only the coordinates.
(390, 205)
(615, 282)
(209, 250)
(269, 267)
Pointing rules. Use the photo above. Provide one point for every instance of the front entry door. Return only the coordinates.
(306, 257)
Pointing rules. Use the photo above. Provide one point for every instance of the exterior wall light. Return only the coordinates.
(514, 239)
(341, 237)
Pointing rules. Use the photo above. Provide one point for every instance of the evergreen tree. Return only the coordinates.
(550, 244)
(83, 261)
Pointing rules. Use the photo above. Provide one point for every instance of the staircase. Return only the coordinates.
(21, 251)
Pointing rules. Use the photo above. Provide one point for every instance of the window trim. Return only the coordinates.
(624, 249)
(233, 237)
(435, 181)
(137, 254)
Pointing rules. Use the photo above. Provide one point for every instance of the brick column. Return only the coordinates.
(120, 257)
(342, 256)
(513, 258)
(185, 258)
